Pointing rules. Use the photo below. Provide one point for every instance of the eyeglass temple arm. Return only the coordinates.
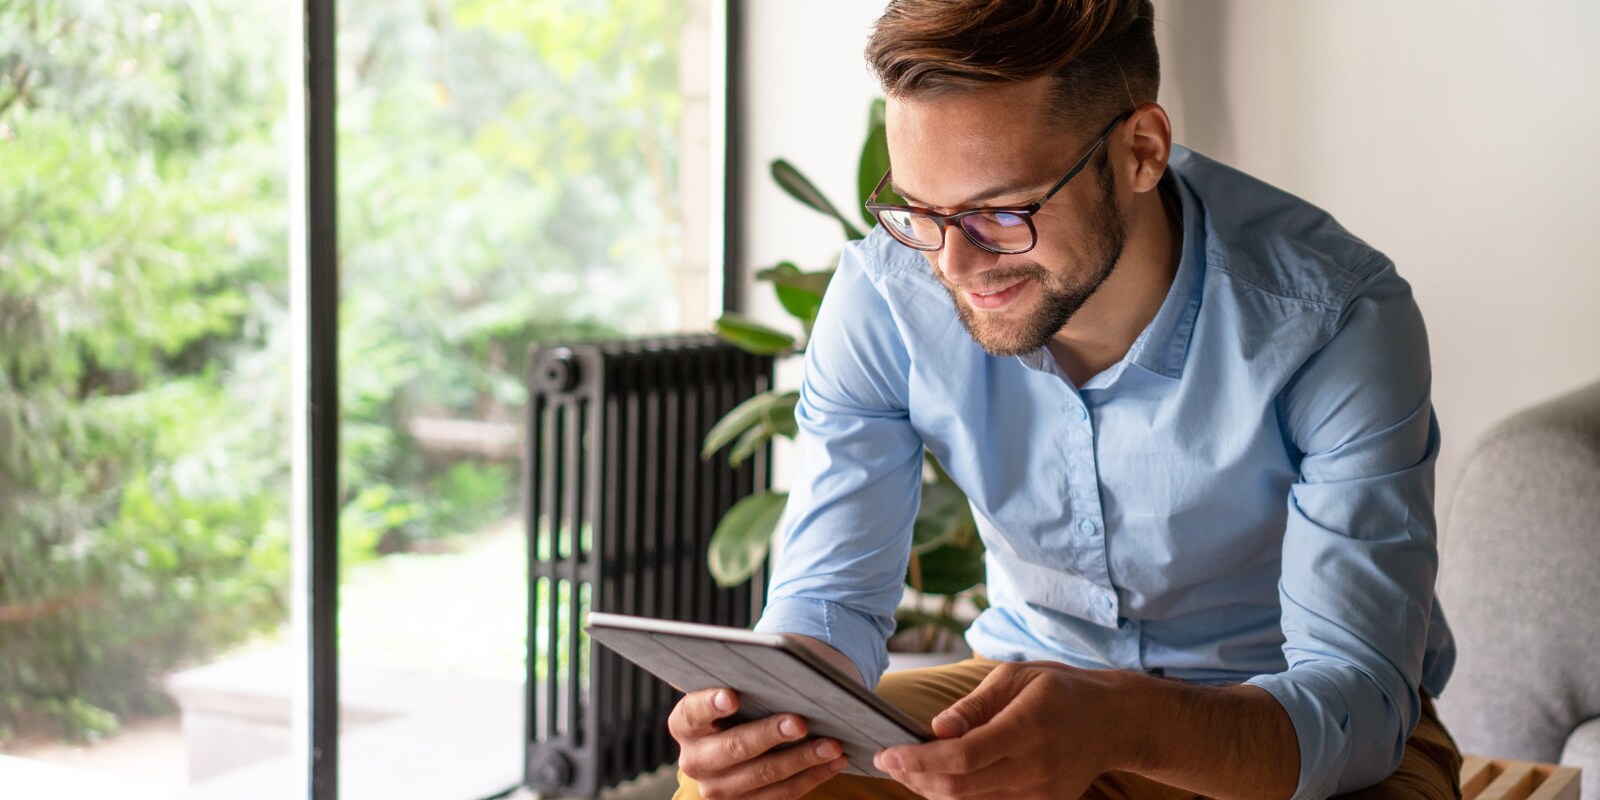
(1084, 160)
(873, 196)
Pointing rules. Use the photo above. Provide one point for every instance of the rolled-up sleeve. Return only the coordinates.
(846, 534)
(1360, 551)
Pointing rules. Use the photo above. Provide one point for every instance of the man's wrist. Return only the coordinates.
(1125, 708)
(1139, 713)
(1170, 731)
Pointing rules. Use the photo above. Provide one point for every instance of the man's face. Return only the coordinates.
(995, 147)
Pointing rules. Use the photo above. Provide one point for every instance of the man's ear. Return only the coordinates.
(1149, 133)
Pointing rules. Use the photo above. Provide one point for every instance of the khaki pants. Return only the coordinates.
(1430, 768)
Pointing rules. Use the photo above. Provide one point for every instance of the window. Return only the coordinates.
(509, 172)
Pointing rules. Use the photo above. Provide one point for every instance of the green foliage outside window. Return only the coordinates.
(503, 164)
(139, 218)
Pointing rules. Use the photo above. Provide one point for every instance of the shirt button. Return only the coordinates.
(1085, 526)
(1083, 413)
(1110, 604)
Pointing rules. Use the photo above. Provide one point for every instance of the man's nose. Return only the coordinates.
(959, 260)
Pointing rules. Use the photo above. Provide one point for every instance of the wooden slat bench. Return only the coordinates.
(1503, 779)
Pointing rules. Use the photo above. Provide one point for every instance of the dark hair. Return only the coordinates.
(1102, 53)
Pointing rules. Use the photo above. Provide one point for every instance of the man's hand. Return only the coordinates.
(1036, 729)
(743, 761)
(1042, 729)
(750, 760)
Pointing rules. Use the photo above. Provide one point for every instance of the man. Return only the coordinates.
(1191, 413)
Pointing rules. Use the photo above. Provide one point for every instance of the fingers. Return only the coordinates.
(1006, 746)
(726, 750)
(946, 756)
(1005, 777)
(968, 741)
(697, 713)
(750, 760)
(994, 693)
(797, 785)
(782, 775)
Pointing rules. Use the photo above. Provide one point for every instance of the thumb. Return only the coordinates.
(997, 690)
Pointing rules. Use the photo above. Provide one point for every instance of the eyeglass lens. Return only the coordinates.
(992, 230)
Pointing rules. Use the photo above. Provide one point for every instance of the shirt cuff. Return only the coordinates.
(1348, 731)
(852, 633)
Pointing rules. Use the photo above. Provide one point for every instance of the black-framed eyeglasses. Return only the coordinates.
(1006, 230)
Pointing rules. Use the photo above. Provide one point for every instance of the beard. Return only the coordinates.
(1060, 294)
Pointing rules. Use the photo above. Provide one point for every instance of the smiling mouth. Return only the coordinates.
(998, 297)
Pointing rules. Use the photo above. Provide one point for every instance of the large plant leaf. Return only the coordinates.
(939, 518)
(778, 424)
(800, 292)
(787, 274)
(743, 536)
(955, 567)
(753, 337)
(874, 163)
(778, 272)
(772, 410)
(801, 304)
(747, 444)
(800, 188)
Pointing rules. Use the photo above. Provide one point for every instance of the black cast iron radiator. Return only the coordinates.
(620, 508)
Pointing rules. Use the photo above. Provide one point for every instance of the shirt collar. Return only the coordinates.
(1163, 345)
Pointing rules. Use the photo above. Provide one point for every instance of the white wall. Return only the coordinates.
(806, 91)
(1458, 137)
(1455, 136)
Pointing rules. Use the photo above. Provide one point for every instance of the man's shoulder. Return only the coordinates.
(893, 283)
(1267, 240)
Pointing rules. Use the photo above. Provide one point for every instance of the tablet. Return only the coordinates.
(771, 674)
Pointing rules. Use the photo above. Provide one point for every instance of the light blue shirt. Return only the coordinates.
(1247, 496)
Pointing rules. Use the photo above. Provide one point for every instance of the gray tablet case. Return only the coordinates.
(771, 675)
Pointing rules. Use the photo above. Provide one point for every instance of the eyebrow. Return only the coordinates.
(974, 200)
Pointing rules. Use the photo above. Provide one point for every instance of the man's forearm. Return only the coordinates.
(1233, 742)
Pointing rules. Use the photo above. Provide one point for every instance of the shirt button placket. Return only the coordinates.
(1091, 547)
(1087, 482)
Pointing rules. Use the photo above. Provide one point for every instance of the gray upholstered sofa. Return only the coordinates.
(1520, 581)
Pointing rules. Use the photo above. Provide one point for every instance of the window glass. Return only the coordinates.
(511, 171)
(143, 376)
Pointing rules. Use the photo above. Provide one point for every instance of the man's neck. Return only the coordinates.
(1100, 334)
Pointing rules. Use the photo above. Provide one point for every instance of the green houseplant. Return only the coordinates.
(946, 555)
